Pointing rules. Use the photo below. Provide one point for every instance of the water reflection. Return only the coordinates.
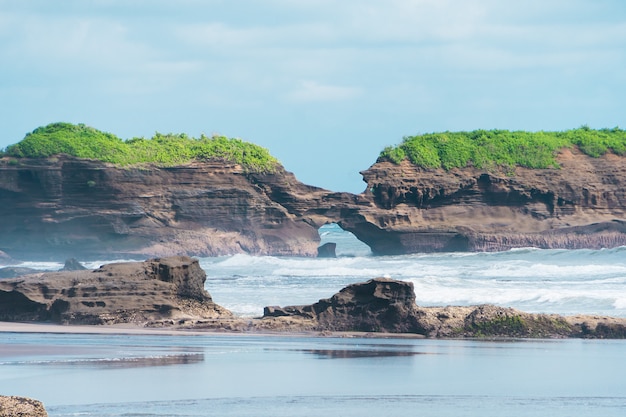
(129, 362)
(353, 353)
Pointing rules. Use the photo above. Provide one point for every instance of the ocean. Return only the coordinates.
(278, 375)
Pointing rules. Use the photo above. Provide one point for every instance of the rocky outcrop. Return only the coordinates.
(72, 265)
(388, 306)
(66, 207)
(378, 305)
(327, 250)
(169, 292)
(12, 406)
(156, 292)
(582, 204)
(63, 207)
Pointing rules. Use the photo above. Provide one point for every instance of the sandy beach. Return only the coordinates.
(12, 327)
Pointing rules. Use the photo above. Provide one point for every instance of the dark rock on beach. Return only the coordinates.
(153, 293)
(12, 406)
(383, 305)
(169, 292)
(378, 305)
(327, 250)
(73, 265)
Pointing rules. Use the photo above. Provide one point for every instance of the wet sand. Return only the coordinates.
(129, 329)
(13, 327)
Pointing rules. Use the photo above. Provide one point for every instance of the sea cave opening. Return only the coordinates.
(347, 243)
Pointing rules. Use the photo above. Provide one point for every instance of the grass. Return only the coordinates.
(163, 149)
(491, 149)
(506, 325)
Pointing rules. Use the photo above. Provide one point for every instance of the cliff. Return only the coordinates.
(66, 207)
(582, 204)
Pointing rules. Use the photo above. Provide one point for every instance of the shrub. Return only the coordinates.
(164, 149)
(489, 149)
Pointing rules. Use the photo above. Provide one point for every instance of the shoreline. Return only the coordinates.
(40, 327)
(137, 330)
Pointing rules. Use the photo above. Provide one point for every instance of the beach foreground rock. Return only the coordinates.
(378, 305)
(11, 406)
(388, 306)
(161, 291)
(170, 293)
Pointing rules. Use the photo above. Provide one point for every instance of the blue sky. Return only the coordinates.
(324, 85)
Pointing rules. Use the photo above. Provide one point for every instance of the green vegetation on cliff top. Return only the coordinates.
(484, 149)
(171, 149)
(488, 149)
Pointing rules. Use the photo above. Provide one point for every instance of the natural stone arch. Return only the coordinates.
(347, 244)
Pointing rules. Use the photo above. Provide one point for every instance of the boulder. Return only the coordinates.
(161, 291)
(11, 406)
(73, 265)
(378, 305)
(327, 250)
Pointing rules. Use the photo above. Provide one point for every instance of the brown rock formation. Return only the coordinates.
(580, 205)
(11, 406)
(388, 306)
(378, 305)
(68, 207)
(170, 293)
(155, 292)
(327, 250)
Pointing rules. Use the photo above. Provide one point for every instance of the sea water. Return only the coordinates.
(226, 375)
(245, 375)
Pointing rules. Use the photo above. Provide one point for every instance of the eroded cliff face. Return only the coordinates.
(70, 207)
(65, 207)
(580, 205)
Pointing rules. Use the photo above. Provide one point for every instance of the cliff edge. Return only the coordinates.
(66, 207)
(581, 204)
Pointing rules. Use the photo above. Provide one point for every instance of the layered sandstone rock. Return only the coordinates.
(580, 205)
(155, 292)
(12, 406)
(66, 207)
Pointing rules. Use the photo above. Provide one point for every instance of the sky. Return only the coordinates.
(325, 85)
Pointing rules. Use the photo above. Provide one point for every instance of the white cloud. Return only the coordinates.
(99, 53)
